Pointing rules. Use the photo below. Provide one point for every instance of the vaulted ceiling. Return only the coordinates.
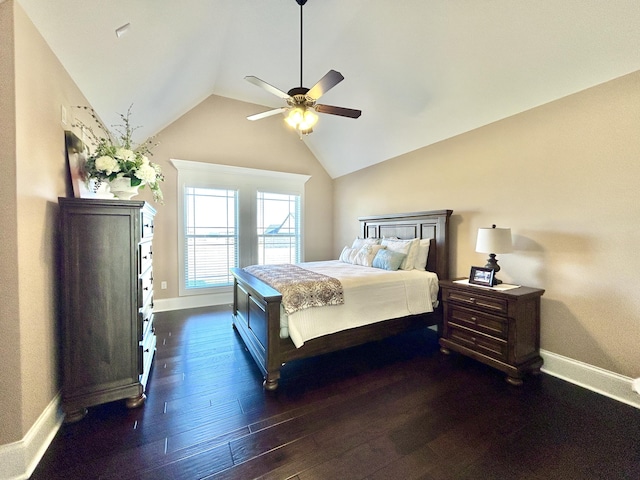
(421, 71)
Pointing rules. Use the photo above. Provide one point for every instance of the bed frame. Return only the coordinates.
(256, 305)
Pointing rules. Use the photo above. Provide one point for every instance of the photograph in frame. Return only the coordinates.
(481, 276)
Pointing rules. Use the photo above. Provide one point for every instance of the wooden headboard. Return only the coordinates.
(433, 225)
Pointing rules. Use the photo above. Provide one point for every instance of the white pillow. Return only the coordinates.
(423, 254)
(358, 243)
(348, 255)
(366, 255)
(408, 247)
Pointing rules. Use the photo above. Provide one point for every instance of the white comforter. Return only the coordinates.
(370, 295)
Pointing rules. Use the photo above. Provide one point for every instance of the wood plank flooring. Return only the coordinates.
(396, 409)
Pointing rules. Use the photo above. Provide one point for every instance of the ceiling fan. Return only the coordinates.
(301, 101)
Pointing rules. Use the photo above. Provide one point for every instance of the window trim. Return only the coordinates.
(247, 181)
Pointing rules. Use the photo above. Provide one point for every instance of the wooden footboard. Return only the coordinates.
(256, 317)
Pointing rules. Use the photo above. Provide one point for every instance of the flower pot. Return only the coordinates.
(122, 189)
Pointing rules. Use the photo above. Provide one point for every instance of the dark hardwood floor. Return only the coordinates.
(396, 409)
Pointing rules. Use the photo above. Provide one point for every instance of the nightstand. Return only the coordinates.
(498, 327)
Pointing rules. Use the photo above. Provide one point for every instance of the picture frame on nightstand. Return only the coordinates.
(481, 276)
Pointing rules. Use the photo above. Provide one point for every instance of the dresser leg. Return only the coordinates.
(135, 402)
(75, 415)
(270, 383)
(515, 381)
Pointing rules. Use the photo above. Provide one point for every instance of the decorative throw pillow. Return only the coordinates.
(366, 255)
(388, 260)
(408, 247)
(358, 243)
(348, 255)
(423, 254)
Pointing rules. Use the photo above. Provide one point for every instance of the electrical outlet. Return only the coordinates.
(163, 285)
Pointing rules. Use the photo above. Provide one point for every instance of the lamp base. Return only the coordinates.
(492, 263)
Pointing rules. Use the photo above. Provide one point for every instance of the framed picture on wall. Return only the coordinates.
(481, 276)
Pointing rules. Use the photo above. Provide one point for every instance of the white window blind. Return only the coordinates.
(210, 237)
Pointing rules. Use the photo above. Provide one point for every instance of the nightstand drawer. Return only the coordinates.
(495, 305)
(492, 325)
(485, 344)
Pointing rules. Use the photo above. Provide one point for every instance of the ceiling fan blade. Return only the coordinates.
(269, 88)
(266, 114)
(326, 83)
(343, 112)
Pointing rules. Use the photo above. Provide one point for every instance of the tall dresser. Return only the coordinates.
(108, 338)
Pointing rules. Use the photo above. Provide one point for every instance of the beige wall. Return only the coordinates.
(10, 379)
(217, 131)
(29, 374)
(565, 178)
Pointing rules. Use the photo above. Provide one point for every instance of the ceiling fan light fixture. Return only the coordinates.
(302, 119)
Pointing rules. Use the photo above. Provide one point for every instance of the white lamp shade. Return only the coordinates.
(494, 240)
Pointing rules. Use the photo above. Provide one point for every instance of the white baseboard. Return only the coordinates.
(592, 378)
(18, 460)
(193, 301)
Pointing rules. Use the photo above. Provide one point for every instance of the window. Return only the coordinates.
(234, 217)
(278, 228)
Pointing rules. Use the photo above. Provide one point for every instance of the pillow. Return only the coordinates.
(423, 254)
(358, 243)
(388, 259)
(366, 255)
(408, 247)
(348, 254)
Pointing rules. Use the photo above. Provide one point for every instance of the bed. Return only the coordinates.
(257, 307)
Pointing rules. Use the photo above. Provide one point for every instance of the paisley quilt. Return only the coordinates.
(300, 288)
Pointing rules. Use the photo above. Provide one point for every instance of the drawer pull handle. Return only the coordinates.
(474, 319)
(471, 299)
(146, 351)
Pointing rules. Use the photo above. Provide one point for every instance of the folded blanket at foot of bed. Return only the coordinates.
(300, 288)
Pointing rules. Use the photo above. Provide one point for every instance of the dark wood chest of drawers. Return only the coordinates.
(108, 338)
(499, 328)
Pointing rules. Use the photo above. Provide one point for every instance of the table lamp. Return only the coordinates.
(493, 241)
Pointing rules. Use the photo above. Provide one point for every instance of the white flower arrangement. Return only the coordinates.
(116, 156)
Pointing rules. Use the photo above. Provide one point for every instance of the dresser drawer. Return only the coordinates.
(145, 256)
(147, 349)
(147, 225)
(489, 304)
(145, 290)
(490, 324)
(145, 325)
(485, 344)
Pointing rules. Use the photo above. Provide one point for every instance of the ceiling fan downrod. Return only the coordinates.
(301, 3)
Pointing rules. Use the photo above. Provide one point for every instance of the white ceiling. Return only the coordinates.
(421, 71)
